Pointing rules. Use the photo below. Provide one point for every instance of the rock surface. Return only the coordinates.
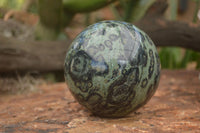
(175, 107)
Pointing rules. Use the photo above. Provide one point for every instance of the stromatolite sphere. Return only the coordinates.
(112, 68)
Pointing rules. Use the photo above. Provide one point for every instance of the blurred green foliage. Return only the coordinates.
(191, 56)
(17, 5)
(177, 58)
(196, 10)
(170, 57)
(173, 7)
(133, 10)
(12, 4)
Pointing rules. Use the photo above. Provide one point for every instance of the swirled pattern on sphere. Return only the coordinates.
(112, 68)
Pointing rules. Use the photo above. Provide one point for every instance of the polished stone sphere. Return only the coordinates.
(112, 68)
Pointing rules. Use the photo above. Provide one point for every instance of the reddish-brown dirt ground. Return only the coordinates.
(175, 107)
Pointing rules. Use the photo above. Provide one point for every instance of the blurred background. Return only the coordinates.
(61, 20)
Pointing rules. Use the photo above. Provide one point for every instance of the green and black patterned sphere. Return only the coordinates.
(112, 68)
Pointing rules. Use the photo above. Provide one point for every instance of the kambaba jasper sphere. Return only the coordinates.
(112, 68)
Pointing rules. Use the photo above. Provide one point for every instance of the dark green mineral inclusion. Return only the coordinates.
(112, 68)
